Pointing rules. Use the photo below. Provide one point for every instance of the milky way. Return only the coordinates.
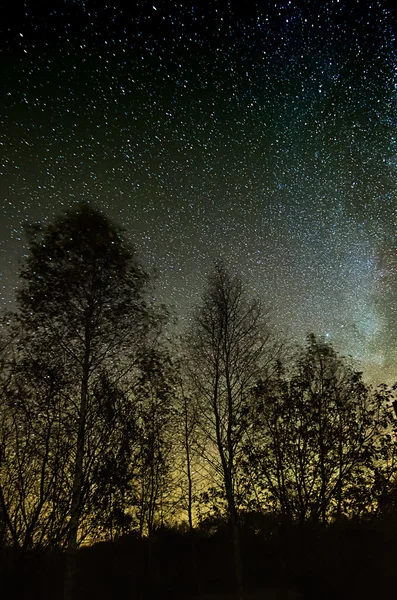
(264, 137)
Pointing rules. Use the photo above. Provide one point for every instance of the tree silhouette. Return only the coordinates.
(82, 291)
(114, 432)
(187, 437)
(319, 436)
(229, 348)
(35, 452)
(155, 413)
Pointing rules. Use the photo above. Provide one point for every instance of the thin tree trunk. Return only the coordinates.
(75, 509)
(235, 535)
(188, 469)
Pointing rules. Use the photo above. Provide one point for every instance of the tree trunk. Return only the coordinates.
(75, 509)
(188, 469)
(235, 536)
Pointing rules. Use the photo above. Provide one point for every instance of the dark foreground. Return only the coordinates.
(349, 561)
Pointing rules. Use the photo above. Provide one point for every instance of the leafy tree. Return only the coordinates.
(319, 435)
(83, 293)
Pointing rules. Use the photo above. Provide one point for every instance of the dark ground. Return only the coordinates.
(353, 561)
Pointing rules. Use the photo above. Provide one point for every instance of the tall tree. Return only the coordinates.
(229, 348)
(82, 289)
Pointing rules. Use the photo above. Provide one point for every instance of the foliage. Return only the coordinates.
(81, 278)
(319, 436)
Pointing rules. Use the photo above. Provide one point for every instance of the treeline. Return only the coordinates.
(109, 430)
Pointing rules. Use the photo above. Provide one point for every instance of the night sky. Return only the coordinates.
(263, 136)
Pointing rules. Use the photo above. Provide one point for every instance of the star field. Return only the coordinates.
(264, 135)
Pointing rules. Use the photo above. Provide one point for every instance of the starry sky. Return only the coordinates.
(263, 134)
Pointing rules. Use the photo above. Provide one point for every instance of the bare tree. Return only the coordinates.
(229, 347)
